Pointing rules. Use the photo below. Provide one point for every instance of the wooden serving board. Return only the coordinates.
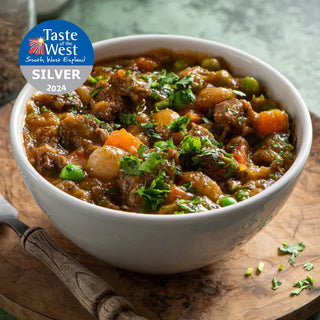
(221, 291)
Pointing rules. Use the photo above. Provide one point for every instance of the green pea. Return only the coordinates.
(181, 64)
(227, 201)
(43, 109)
(72, 172)
(251, 85)
(211, 64)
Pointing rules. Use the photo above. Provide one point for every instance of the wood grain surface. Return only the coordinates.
(94, 294)
(29, 291)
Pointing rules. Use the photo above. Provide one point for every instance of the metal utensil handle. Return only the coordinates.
(97, 296)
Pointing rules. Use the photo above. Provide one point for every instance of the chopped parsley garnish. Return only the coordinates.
(91, 116)
(301, 285)
(185, 82)
(292, 249)
(260, 266)
(191, 144)
(205, 120)
(249, 272)
(127, 118)
(277, 159)
(116, 67)
(180, 124)
(95, 80)
(92, 80)
(183, 97)
(187, 186)
(276, 284)
(242, 194)
(151, 163)
(155, 195)
(199, 147)
(117, 125)
(74, 110)
(308, 266)
(167, 78)
(134, 166)
(95, 92)
(197, 204)
(150, 130)
(162, 104)
(130, 165)
(142, 149)
(168, 90)
(281, 267)
(239, 93)
(164, 145)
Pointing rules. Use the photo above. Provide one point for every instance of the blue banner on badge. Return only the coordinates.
(56, 56)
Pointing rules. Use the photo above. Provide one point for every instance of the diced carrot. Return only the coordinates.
(272, 121)
(194, 116)
(241, 152)
(123, 140)
(177, 193)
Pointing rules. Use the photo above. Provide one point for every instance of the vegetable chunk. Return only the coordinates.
(124, 140)
(272, 121)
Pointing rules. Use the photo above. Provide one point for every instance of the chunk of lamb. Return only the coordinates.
(217, 166)
(48, 159)
(234, 115)
(200, 131)
(107, 104)
(128, 85)
(170, 164)
(275, 152)
(111, 98)
(75, 130)
(57, 102)
(128, 186)
(201, 77)
(72, 188)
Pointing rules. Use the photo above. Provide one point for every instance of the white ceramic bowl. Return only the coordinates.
(151, 243)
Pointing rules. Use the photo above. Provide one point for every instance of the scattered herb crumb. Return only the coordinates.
(281, 267)
(308, 266)
(301, 285)
(249, 271)
(276, 284)
(260, 266)
(292, 249)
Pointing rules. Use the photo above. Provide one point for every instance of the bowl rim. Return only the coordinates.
(95, 210)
